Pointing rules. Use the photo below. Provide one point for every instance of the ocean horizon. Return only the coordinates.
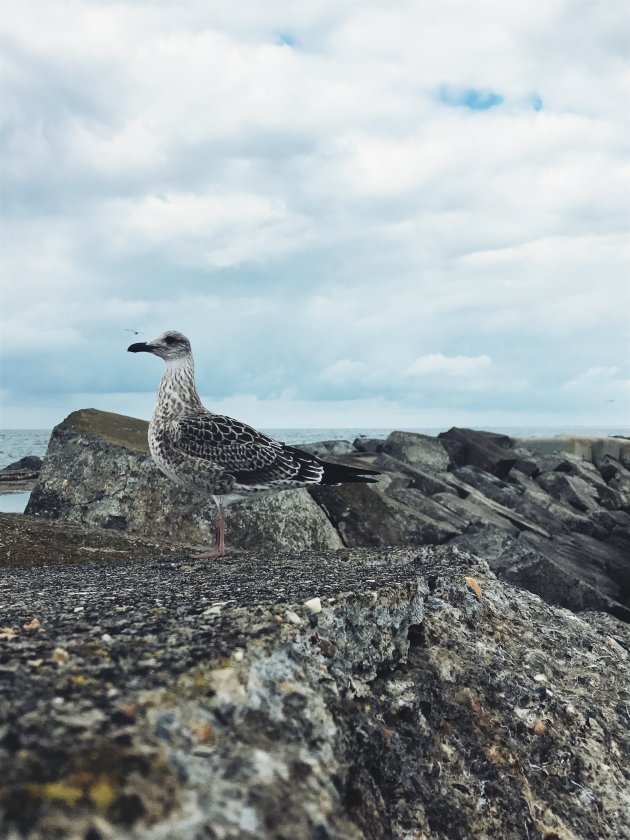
(17, 443)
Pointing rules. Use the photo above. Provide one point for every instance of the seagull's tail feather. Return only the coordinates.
(342, 474)
(325, 472)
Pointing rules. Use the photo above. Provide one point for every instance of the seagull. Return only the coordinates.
(135, 332)
(220, 456)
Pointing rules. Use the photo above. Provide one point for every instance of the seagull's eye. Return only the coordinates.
(170, 339)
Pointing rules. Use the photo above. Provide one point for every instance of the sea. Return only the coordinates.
(16, 443)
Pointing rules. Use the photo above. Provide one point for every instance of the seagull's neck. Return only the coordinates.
(177, 390)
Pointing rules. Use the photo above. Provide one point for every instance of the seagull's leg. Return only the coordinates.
(219, 546)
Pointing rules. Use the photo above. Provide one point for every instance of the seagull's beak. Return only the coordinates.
(140, 347)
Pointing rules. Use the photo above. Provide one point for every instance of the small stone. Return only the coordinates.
(293, 617)
(35, 624)
(78, 609)
(313, 605)
(60, 655)
(238, 655)
(106, 638)
(539, 726)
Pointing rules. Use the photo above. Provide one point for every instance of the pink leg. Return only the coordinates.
(219, 546)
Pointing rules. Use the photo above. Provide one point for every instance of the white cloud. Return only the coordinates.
(315, 216)
(449, 366)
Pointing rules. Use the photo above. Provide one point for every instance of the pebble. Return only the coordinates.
(313, 605)
(293, 617)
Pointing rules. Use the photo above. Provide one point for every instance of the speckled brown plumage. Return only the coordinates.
(217, 454)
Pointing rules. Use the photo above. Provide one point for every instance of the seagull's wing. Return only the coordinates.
(250, 456)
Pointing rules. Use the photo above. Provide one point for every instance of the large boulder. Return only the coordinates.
(98, 471)
(164, 697)
(420, 451)
(364, 515)
(574, 572)
(486, 450)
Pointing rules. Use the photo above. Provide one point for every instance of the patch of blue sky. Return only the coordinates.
(537, 103)
(285, 38)
(473, 98)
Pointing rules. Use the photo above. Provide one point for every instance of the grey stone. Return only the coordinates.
(580, 494)
(30, 463)
(326, 448)
(555, 516)
(364, 515)
(525, 462)
(427, 481)
(485, 450)
(491, 486)
(570, 572)
(617, 477)
(416, 707)
(420, 451)
(366, 444)
(483, 510)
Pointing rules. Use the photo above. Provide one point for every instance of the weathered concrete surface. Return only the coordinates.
(171, 698)
(590, 448)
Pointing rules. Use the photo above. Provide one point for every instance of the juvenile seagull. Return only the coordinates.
(217, 455)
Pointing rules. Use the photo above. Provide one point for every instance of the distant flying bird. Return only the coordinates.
(609, 400)
(135, 332)
(217, 455)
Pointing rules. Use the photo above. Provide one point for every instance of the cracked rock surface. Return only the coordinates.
(170, 698)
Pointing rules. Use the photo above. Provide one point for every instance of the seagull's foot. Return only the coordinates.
(219, 547)
(209, 555)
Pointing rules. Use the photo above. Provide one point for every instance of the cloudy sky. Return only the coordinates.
(385, 213)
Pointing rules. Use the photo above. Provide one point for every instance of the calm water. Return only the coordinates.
(16, 443)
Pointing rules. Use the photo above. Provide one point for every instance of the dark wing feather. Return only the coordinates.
(253, 458)
(250, 456)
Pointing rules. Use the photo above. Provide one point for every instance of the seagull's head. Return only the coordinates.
(170, 345)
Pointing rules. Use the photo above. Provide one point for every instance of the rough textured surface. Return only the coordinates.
(169, 698)
(566, 520)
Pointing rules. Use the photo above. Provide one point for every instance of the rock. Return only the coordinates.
(326, 448)
(292, 520)
(30, 463)
(525, 462)
(575, 573)
(365, 516)
(580, 494)
(420, 451)
(485, 450)
(366, 444)
(494, 488)
(617, 477)
(417, 707)
(425, 480)
(21, 475)
(556, 517)
(98, 471)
